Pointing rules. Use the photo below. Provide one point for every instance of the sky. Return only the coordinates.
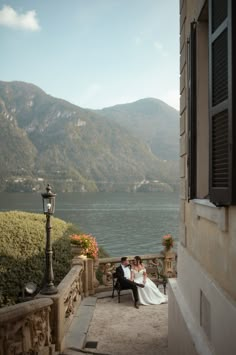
(93, 53)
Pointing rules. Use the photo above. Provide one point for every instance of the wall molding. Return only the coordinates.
(218, 215)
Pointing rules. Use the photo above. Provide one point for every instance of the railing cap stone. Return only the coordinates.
(21, 310)
(117, 258)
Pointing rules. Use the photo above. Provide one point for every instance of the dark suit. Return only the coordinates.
(125, 283)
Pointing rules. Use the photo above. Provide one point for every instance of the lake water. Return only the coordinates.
(123, 223)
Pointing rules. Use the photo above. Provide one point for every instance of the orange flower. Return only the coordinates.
(87, 243)
(168, 241)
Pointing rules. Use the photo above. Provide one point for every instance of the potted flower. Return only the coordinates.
(84, 244)
(168, 241)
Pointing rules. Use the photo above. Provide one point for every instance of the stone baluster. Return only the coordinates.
(95, 269)
(169, 263)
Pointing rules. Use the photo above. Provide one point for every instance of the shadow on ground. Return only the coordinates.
(120, 329)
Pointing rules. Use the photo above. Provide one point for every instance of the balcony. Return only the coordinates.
(84, 318)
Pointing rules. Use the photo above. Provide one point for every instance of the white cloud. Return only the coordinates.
(159, 47)
(25, 21)
(171, 97)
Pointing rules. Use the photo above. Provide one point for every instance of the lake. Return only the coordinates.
(123, 223)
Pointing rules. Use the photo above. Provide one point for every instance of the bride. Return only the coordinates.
(150, 294)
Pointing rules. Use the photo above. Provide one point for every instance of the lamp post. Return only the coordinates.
(48, 209)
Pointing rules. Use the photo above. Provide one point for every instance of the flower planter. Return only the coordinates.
(76, 250)
(167, 242)
(84, 244)
(168, 251)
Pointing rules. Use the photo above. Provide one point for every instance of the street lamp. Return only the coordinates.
(48, 209)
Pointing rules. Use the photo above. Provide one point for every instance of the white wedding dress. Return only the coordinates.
(149, 294)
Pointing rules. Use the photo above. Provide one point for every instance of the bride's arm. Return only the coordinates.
(132, 275)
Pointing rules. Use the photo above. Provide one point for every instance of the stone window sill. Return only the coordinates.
(219, 215)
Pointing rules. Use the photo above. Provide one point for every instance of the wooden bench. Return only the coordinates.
(116, 286)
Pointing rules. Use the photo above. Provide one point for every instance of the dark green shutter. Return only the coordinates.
(220, 103)
(192, 123)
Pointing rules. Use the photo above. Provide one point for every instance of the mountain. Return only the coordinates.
(152, 121)
(44, 139)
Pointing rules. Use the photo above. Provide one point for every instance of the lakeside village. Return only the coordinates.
(30, 184)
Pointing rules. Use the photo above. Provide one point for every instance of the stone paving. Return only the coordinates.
(118, 329)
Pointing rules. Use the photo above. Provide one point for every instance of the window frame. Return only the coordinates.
(223, 193)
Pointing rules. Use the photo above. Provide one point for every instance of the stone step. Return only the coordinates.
(75, 352)
(76, 334)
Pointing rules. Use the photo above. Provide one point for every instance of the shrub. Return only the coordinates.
(22, 251)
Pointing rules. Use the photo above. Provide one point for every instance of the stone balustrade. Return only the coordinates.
(39, 326)
(26, 328)
(162, 264)
(65, 302)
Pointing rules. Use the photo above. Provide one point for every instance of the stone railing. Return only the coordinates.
(25, 328)
(76, 285)
(65, 302)
(39, 326)
(163, 264)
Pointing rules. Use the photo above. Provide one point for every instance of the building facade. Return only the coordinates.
(202, 300)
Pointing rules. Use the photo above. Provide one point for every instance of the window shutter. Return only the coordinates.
(220, 103)
(192, 123)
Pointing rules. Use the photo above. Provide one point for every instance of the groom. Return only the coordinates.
(123, 273)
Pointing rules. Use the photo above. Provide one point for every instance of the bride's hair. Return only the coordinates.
(138, 259)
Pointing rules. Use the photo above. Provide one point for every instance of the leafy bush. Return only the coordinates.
(22, 251)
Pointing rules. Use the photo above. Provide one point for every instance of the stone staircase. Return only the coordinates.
(75, 339)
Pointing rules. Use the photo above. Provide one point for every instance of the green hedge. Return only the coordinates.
(22, 251)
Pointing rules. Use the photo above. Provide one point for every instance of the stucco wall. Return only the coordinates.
(211, 239)
(184, 334)
(202, 308)
(213, 246)
(219, 325)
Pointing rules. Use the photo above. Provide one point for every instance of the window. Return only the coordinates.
(211, 121)
(192, 126)
(198, 123)
(205, 314)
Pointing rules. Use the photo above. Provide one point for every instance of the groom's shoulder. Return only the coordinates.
(119, 269)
